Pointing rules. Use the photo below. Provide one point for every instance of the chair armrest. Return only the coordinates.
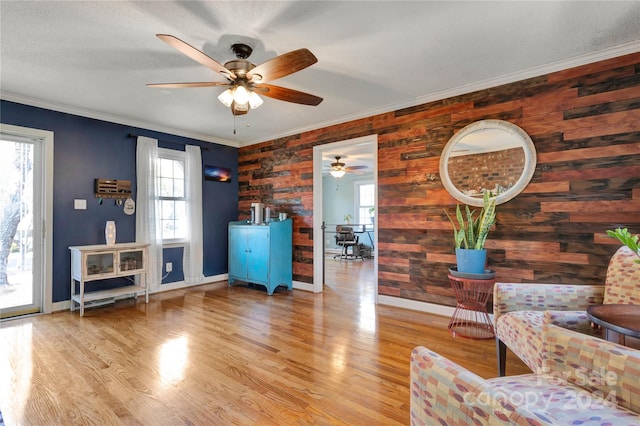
(572, 320)
(508, 297)
(442, 392)
(604, 368)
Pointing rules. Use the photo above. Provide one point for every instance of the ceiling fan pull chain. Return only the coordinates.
(234, 124)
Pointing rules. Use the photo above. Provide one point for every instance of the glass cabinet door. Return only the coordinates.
(100, 263)
(131, 260)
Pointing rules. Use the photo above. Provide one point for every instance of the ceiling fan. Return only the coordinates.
(245, 81)
(338, 169)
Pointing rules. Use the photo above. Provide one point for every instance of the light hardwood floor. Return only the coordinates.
(215, 354)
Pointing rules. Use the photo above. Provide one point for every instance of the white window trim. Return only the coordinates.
(356, 196)
(172, 154)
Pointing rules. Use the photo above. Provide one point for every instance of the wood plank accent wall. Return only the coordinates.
(585, 124)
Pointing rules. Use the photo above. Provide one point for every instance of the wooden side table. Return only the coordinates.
(470, 318)
(617, 322)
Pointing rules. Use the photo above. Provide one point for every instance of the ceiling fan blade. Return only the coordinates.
(183, 85)
(283, 65)
(287, 95)
(357, 168)
(196, 54)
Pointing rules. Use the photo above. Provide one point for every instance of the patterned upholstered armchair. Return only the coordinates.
(520, 310)
(585, 380)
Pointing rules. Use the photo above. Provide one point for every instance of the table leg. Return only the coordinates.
(81, 298)
(71, 297)
(613, 336)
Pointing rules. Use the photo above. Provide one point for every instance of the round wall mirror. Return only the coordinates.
(492, 155)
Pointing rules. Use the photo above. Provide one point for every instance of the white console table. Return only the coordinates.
(100, 262)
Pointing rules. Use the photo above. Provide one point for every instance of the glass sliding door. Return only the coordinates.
(21, 222)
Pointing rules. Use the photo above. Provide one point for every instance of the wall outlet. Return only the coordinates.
(169, 267)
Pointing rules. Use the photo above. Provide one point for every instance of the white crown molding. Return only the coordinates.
(601, 55)
(68, 109)
(620, 50)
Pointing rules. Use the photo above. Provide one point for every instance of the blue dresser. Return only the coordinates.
(261, 254)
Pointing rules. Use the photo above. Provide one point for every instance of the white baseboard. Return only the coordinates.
(431, 308)
(181, 284)
(60, 306)
(299, 285)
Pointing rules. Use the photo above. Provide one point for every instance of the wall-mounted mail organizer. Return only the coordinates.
(112, 188)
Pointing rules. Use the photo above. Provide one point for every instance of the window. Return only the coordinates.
(172, 195)
(365, 202)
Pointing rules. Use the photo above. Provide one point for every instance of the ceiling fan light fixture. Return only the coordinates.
(254, 100)
(226, 97)
(240, 107)
(337, 173)
(241, 98)
(241, 95)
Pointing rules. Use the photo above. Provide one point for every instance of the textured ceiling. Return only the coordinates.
(94, 58)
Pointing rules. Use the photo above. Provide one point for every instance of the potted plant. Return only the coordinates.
(624, 236)
(372, 214)
(470, 234)
(347, 218)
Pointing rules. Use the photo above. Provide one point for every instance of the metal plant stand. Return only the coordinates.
(470, 318)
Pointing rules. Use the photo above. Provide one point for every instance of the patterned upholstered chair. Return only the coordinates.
(585, 380)
(520, 310)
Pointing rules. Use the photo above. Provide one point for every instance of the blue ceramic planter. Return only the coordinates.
(471, 261)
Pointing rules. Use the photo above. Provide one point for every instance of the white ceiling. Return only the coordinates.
(94, 58)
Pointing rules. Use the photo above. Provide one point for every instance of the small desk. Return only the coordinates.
(471, 319)
(617, 321)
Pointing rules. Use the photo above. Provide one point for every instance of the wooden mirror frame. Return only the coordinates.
(517, 133)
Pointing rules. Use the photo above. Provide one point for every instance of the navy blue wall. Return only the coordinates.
(86, 149)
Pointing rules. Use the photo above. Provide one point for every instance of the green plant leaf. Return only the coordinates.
(487, 220)
(472, 229)
(471, 238)
(457, 237)
(463, 231)
(626, 238)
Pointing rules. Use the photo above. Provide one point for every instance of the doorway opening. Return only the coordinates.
(360, 158)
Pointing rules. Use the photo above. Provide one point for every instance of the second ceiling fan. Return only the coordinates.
(338, 168)
(246, 81)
